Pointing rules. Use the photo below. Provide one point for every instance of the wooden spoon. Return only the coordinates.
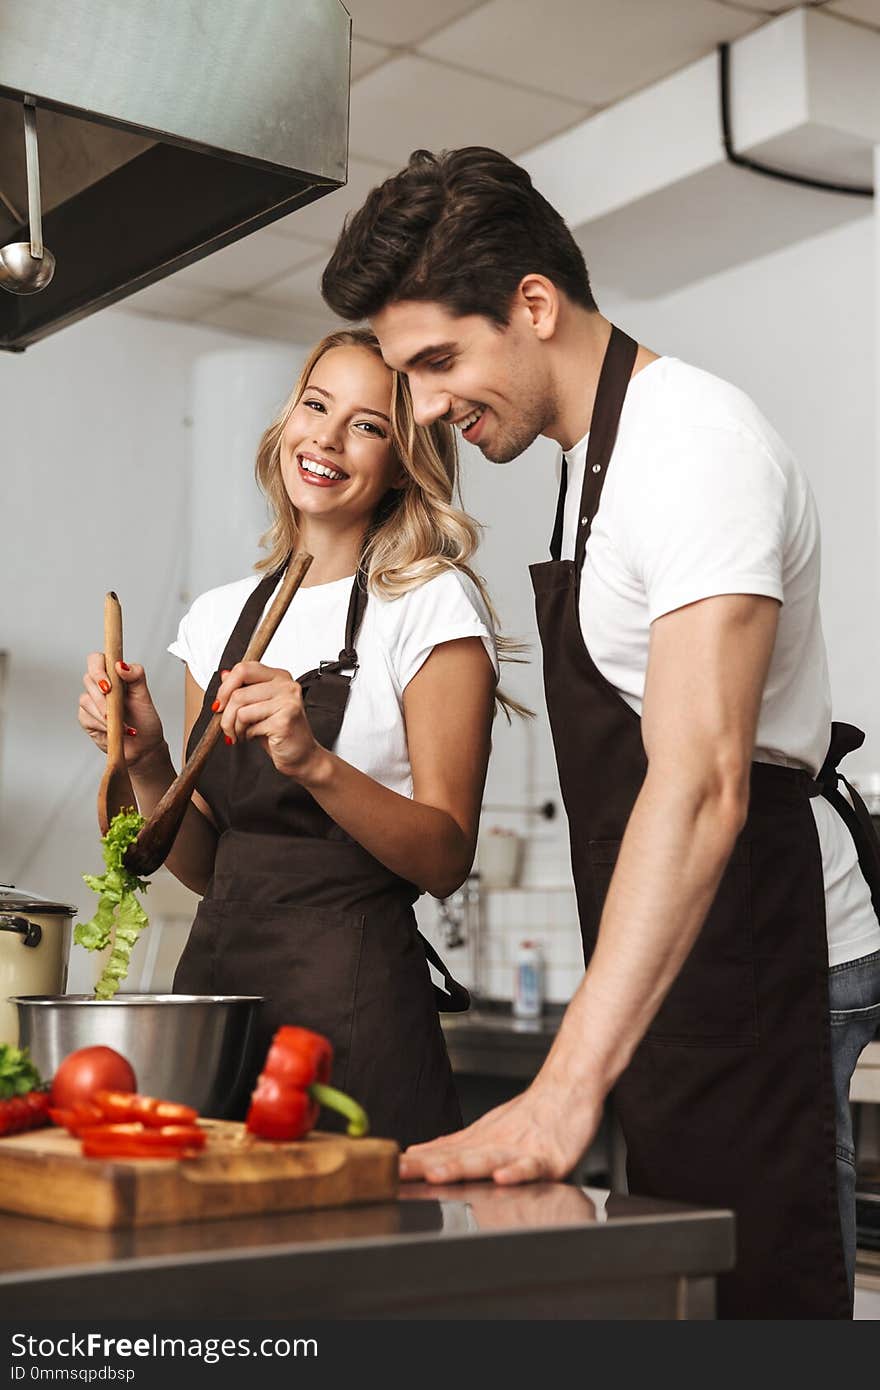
(154, 842)
(115, 792)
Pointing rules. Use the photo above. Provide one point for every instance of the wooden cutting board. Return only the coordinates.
(44, 1174)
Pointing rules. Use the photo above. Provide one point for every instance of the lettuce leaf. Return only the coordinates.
(18, 1075)
(119, 917)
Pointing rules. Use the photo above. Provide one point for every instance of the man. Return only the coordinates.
(688, 695)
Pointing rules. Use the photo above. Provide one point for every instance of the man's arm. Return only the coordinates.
(707, 667)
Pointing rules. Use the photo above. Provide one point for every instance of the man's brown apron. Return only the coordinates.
(300, 913)
(728, 1101)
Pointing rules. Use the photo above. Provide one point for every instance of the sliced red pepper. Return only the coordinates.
(134, 1140)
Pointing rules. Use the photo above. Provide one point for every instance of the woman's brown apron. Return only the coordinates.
(300, 913)
(728, 1101)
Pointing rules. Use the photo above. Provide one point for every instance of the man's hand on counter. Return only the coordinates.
(536, 1137)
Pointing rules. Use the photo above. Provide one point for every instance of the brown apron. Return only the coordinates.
(300, 913)
(728, 1100)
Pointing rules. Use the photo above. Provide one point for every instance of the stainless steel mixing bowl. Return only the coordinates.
(194, 1048)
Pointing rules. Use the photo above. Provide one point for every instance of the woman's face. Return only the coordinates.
(337, 460)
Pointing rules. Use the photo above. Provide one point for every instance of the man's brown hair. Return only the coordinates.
(461, 229)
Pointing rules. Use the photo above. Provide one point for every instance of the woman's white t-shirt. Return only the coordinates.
(396, 638)
(703, 498)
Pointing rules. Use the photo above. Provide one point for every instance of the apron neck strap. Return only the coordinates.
(614, 379)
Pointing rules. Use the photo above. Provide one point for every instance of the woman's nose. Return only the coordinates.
(328, 435)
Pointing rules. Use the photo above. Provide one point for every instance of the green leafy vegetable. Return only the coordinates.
(119, 916)
(18, 1075)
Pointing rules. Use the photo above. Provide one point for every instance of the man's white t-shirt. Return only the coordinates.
(396, 638)
(703, 498)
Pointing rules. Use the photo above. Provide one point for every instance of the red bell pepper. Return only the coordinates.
(293, 1086)
(137, 1141)
(122, 1107)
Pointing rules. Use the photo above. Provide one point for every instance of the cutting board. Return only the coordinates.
(44, 1174)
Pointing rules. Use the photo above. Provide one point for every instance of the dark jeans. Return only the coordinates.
(854, 992)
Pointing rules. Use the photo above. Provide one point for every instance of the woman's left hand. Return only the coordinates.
(266, 704)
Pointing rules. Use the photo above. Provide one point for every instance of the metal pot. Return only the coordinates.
(34, 946)
(193, 1048)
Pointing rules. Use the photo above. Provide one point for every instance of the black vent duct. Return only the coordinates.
(167, 130)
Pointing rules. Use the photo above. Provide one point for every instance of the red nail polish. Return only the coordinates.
(105, 686)
(228, 739)
(215, 706)
(125, 666)
(132, 733)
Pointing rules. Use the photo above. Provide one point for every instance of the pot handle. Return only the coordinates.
(32, 932)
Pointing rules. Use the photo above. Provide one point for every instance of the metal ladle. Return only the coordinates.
(27, 266)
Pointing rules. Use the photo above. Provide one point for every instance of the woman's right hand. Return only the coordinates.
(143, 727)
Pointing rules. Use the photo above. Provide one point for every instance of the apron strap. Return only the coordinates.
(845, 738)
(455, 999)
(248, 618)
(611, 389)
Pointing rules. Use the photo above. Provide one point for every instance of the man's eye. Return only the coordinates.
(441, 364)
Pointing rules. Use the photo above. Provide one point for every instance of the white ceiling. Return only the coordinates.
(443, 73)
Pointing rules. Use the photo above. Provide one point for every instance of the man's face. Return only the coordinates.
(492, 383)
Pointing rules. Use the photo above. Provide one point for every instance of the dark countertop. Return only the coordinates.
(477, 1251)
(487, 1039)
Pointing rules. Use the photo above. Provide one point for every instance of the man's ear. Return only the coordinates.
(538, 298)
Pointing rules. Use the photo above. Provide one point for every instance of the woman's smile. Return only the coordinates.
(318, 471)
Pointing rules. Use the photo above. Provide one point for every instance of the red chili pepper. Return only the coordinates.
(293, 1085)
(19, 1113)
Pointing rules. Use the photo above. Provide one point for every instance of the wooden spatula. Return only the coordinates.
(115, 793)
(153, 844)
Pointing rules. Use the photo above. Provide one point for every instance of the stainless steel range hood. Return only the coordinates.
(167, 129)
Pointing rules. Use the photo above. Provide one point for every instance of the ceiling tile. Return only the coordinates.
(263, 319)
(249, 262)
(366, 56)
(411, 103)
(403, 21)
(868, 11)
(168, 299)
(587, 50)
(322, 220)
(301, 289)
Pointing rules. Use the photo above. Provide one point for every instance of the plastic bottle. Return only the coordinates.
(528, 992)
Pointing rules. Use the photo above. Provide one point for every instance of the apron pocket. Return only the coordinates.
(713, 1000)
(303, 960)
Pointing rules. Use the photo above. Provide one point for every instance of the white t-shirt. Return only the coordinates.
(703, 498)
(396, 638)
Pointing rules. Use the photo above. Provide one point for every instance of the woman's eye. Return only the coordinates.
(314, 405)
(373, 429)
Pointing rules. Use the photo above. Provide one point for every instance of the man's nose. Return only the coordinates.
(429, 405)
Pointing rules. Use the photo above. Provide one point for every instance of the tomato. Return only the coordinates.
(88, 1070)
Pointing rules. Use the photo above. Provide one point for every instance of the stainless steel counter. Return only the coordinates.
(489, 1041)
(478, 1251)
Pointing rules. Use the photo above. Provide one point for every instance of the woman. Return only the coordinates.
(334, 800)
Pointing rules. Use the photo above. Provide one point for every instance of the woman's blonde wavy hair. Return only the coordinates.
(418, 530)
